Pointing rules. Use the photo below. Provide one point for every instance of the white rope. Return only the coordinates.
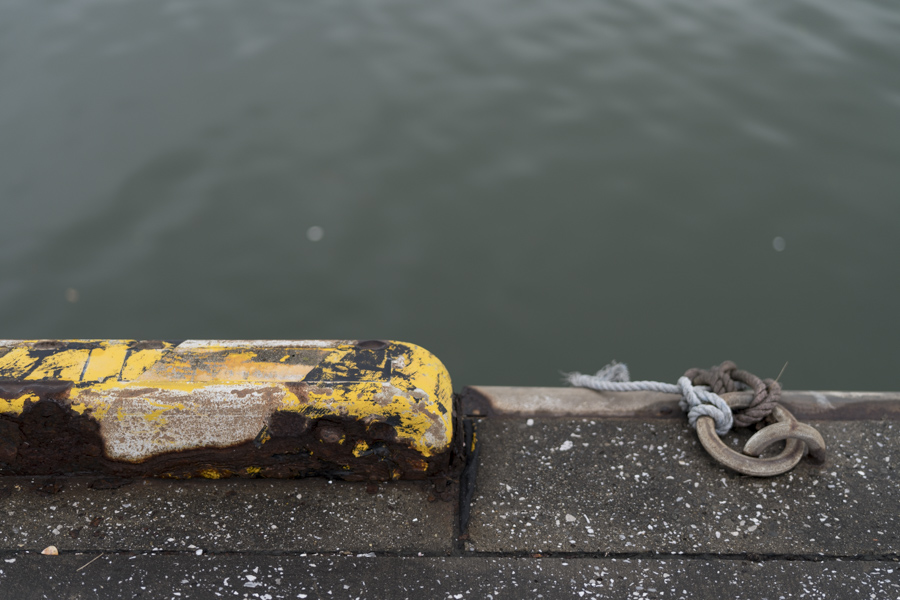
(696, 400)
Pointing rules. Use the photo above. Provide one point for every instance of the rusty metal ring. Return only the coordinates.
(748, 465)
(787, 427)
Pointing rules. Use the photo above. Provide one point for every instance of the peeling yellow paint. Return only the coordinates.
(105, 362)
(16, 405)
(416, 396)
(253, 470)
(157, 414)
(139, 362)
(361, 401)
(359, 449)
(214, 473)
(98, 409)
(263, 436)
(16, 363)
(291, 402)
(79, 407)
(241, 366)
(66, 364)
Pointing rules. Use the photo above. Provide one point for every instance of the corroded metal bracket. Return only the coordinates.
(368, 410)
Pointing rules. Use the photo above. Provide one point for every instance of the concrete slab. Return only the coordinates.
(268, 577)
(605, 486)
(230, 515)
(564, 507)
(525, 402)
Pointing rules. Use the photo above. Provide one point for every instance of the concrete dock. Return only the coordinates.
(579, 503)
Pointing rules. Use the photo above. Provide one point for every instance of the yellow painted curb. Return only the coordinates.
(360, 410)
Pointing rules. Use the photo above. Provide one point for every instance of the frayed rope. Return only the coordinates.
(696, 400)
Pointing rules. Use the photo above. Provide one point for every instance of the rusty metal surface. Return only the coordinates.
(356, 410)
(786, 460)
(799, 438)
(497, 401)
(787, 427)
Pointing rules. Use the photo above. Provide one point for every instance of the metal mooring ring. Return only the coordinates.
(795, 434)
(786, 427)
(748, 465)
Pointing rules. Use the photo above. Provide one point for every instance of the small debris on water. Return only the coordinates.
(315, 233)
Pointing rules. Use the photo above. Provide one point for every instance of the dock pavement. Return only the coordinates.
(565, 504)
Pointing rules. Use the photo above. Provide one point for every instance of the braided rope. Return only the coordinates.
(728, 378)
(696, 400)
(699, 390)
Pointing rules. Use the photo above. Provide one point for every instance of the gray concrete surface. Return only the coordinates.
(232, 515)
(572, 485)
(563, 507)
(267, 577)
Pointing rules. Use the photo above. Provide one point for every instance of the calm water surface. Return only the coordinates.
(520, 187)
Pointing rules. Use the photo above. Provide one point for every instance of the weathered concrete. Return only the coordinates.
(394, 578)
(564, 507)
(577, 485)
(524, 402)
(224, 516)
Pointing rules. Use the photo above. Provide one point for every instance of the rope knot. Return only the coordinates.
(699, 401)
(696, 400)
(728, 378)
(719, 379)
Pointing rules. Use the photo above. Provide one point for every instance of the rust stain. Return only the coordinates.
(377, 411)
(64, 442)
(50, 388)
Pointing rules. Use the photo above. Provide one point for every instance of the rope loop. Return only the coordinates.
(696, 400)
(727, 378)
(699, 390)
(699, 401)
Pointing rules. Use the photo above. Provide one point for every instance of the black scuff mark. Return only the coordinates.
(467, 478)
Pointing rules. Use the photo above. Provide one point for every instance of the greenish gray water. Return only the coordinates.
(520, 187)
